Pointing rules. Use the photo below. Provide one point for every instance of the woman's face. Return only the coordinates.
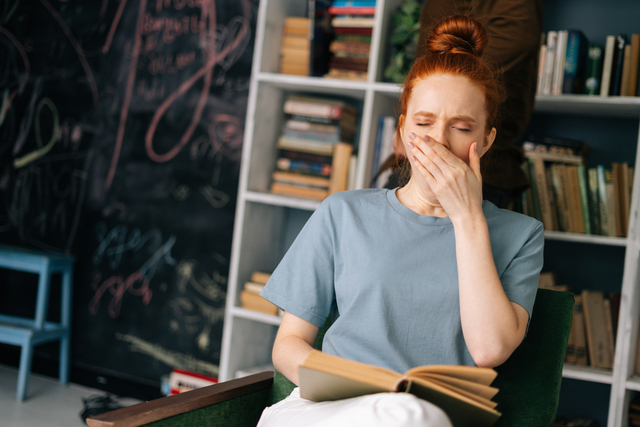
(449, 109)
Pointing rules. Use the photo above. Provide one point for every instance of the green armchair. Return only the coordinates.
(529, 384)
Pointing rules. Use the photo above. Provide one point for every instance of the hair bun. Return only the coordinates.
(457, 34)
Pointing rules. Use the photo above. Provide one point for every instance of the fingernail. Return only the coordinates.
(410, 144)
(412, 136)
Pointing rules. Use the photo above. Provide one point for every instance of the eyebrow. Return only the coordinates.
(428, 114)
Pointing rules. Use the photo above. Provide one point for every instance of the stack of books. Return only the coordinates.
(315, 147)
(294, 53)
(568, 195)
(352, 27)
(569, 64)
(250, 296)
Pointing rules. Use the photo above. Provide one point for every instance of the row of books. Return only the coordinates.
(250, 296)
(567, 195)
(333, 40)
(568, 64)
(315, 148)
(593, 330)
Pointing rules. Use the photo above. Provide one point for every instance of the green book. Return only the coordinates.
(584, 198)
(593, 75)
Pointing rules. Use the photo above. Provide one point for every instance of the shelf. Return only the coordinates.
(257, 316)
(585, 238)
(351, 88)
(587, 373)
(614, 106)
(277, 200)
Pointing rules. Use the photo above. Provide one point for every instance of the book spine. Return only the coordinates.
(617, 66)
(312, 109)
(558, 71)
(340, 167)
(584, 198)
(552, 39)
(593, 77)
(543, 196)
(607, 65)
(307, 168)
(594, 204)
(574, 62)
(635, 59)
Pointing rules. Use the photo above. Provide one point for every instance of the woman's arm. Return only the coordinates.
(293, 343)
(492, 326)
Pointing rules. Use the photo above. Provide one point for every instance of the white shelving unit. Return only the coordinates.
(266, 224)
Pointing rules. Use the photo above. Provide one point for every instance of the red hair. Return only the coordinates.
(455, 46)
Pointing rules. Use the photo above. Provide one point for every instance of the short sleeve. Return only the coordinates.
(521, 277)
(303, 282)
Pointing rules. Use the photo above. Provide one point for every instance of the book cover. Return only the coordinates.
(593, 73)
(607, 65)
(306, 145)
(340, 167)
(300, 191)
(354, 3)
(463, 392)
(303, 167)
(574, 62)
(297, 178)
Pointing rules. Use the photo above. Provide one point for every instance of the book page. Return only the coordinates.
(474, 374)
(319, 386)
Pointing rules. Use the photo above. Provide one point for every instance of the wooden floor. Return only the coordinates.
(48, 403)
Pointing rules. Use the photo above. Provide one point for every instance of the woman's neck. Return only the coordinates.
(420, 199)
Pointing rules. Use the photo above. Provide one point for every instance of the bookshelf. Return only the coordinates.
(266, 224)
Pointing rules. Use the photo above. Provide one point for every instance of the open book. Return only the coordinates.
(463, 392)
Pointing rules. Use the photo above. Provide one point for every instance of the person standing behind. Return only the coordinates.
(514, 28)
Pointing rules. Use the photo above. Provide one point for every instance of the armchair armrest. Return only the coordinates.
(166, 407)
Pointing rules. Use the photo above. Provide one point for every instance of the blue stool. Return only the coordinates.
(28, 333)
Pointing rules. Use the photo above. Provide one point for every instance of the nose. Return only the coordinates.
(439, 134)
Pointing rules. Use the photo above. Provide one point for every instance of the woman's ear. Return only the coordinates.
(488, 141)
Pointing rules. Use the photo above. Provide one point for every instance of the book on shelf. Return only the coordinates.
(634, 62)
(575, 62)
(558, 63)
(320, 34)
(549, 65)
(463, 392)
(593, 72)
(383, 150)
(607, 65)
(354, 3)
(597, 320)
(250, 296)
(577, 351)
(617, 64)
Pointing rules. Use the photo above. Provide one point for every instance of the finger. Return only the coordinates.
(424, 155)
(474, 161)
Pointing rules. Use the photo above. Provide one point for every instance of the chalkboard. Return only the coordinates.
(121, 128)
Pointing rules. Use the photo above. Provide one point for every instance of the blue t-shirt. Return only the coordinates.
(391, 276)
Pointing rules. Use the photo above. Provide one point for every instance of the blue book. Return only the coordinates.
(354, 3)
(575, 62)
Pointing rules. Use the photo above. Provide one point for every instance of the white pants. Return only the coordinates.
(382, 409)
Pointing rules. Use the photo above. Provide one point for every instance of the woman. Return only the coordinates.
(423, 274)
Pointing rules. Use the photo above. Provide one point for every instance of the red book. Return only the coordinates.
(347, 30)
(350, 10)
